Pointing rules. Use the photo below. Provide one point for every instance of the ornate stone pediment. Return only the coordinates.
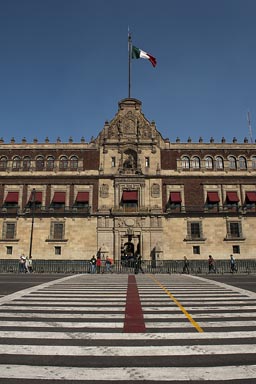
(129, 124)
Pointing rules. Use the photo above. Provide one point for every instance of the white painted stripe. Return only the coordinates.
(64, 315)
(218, 308)
(197, 315)
(74, 299)
(117, 290)
(99, 315)
(170, 374)
(200, 309)
(192, 293)
(203, 324)
(84, 308)
(73, 335)
(85, 294)
(194, 302)
(186, 288)
(176, 350)
(61, 324)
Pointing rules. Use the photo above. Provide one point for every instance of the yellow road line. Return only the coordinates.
(188, 316)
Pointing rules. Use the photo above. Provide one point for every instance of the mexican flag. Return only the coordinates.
(139, 54)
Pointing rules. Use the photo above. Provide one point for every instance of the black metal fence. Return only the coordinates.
(196, 267)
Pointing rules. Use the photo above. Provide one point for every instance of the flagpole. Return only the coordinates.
(129, 64)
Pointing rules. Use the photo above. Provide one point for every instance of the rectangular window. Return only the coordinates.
(113, 161)
(234, 229)
(196, 250)
(57, 231)
(57, 250)
(9, 250)
(147, 163)
(236, 249)
(9, 231)
(194, 230)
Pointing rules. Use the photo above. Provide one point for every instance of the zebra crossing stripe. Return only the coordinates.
(189, 317)
(130, 374)
(30, 334)
(130, 351)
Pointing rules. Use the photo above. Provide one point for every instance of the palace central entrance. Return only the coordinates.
(130, 248)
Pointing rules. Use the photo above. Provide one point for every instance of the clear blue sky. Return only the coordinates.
(64, 66)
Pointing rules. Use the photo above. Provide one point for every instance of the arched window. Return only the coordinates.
(26, 163)
(195, 162)
(39, 163)
(242, 162)
(253, 162)
(232, 162)
(219, 162)
(16, 162)
(63, 163)
(50, 163)
(208, 162)
(73, 163)
(185, 162)
(3, 163)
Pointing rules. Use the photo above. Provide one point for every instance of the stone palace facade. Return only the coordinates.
(128, 191)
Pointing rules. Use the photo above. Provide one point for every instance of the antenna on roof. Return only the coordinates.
(249, 126)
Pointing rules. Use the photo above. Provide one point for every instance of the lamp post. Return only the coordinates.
(33, 200)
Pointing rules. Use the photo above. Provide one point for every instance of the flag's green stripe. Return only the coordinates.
(135, 52)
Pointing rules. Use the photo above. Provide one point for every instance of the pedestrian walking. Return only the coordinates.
(109, 264)
(233, 267)
(22, 261)
(26, 265)
(185, 265)
(211, 264)
(93, 264)
(137, 264)
(29, 264)
(98, 264)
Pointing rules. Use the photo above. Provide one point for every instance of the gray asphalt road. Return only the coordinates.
(241, 281)
(10, 283)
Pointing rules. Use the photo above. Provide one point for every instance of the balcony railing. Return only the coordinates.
(189, 209)
(44, 210)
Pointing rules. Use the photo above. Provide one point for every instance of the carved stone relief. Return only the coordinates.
(104, 191)
(155, 190)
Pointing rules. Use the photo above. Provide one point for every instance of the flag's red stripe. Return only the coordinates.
(152, 60)
(134, 321)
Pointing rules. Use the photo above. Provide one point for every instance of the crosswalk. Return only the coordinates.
(128, 329)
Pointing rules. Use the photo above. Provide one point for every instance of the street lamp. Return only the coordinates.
(33, 201)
